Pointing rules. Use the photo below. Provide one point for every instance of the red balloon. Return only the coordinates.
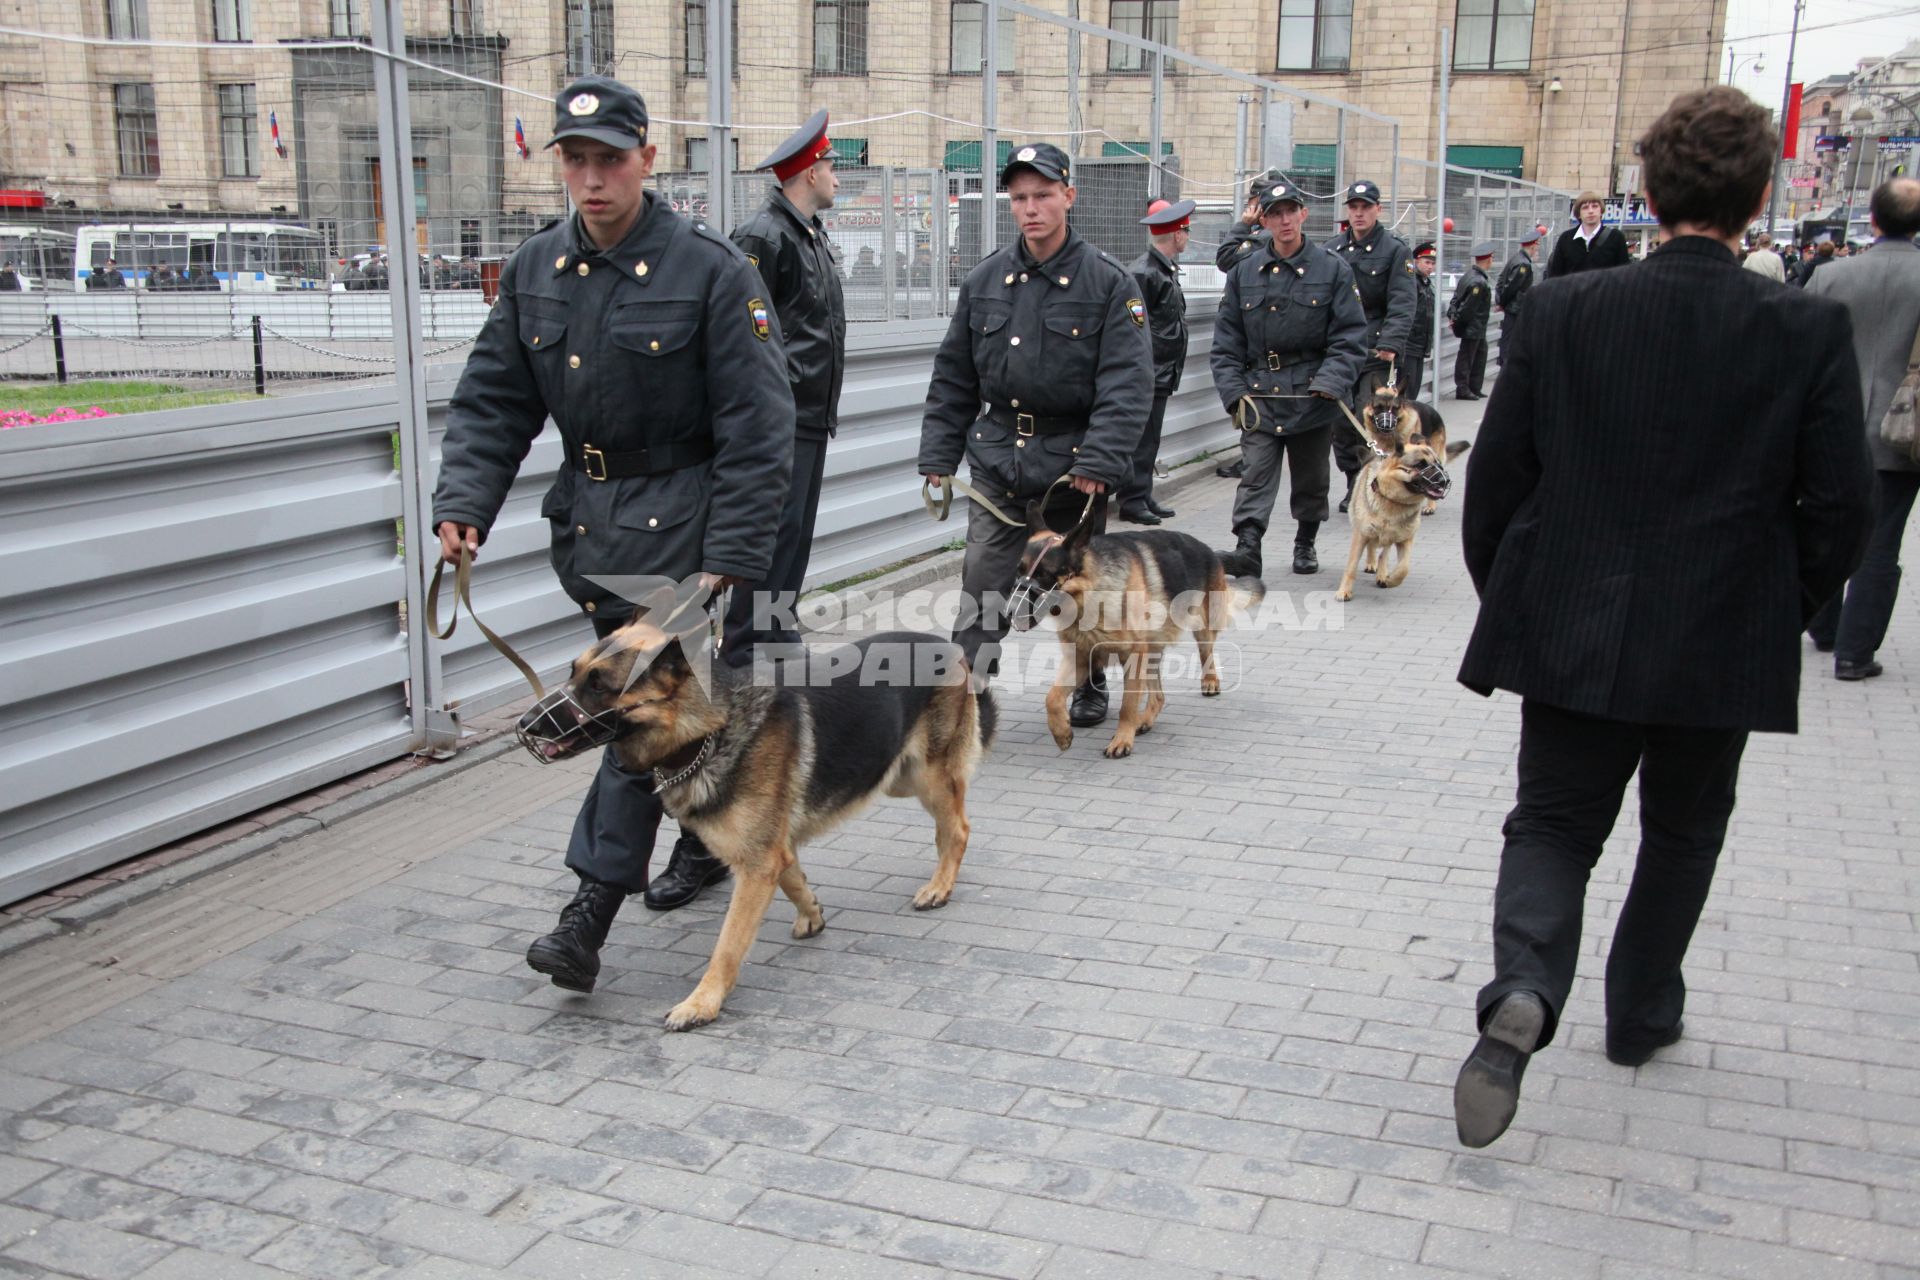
(1542, 228)
(1446, 224)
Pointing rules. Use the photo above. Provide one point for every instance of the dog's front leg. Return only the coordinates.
(1068, 679)
(752, 892)
(1130, 703)
(1353, 562)
(1402, 562)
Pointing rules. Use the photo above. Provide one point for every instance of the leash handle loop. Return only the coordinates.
(948, 484)
(462, 594)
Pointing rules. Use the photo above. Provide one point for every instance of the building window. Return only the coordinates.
(469, 237)
(589, 37)
(1316, 35)
(697, 38)
(1156, 20)
(967, 28)
(126, 19)
(697, 149)
(137, 126)
(1493, 35)
(343, 19)
(853, 151)
(233, 20)
(463, 17)
(239, 132)
(840, 37)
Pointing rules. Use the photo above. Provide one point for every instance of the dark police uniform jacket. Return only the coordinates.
(1472, 304)
(1058, 353)
(1515, 279)
(1159, 281)
(663, 344)
(1243, 238)
(801, 268)
(1420, 337)
(1383, 272)
(1289, 326)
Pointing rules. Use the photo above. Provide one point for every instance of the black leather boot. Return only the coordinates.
(1244, 560)
(1159, 508)
(690, 870)
(1089, 705)
(570, 955)
(1304, 558)
(1348, 500)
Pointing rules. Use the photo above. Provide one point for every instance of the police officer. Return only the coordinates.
(108, 277)
(1511, 293)
(1046, 371)
(1382, 267)
(1247, 233)
(1159, 280)
(787, 244)
(1413, 364)
(1469, 311)
(649, 341)
(1290, 325)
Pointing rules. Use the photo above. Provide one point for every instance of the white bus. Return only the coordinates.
(244, 257)
(41, 259)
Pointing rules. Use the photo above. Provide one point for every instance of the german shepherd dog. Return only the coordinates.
(1130, 596)
(1414, 422)
(1394, 490)
(756, 770)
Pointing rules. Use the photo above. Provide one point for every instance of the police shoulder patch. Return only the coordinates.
(1138, 310)
(753, 258)
(762, 320)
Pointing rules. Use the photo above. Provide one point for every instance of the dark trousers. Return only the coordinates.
(1350, 452)
(1412, 369)
(774, 598)
(993, 561)
(1574, 769)
(1509, 321)
(1139, 486)
(613, 834)
(1306, 457)
(1470, 366)
(1857, 628)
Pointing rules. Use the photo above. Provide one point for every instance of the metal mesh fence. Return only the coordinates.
(212, 217)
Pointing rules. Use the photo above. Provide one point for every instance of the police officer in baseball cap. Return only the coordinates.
(1383, 272)
(647, 340)
(1244, 235)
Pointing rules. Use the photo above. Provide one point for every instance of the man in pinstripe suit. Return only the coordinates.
(1649, 522)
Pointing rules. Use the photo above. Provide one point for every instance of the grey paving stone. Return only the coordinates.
(458, 1233)
(323, 1253)
(87, 1250)
(214, 1226)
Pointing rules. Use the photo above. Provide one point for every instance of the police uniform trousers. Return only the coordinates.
(1470, 366)
(1412, 370)
(1350, 452)
(1139, 487)
(1509, 321)
(1306, 456)
(1573, 771)
(993, 561)
(757, 614)
(613, 834)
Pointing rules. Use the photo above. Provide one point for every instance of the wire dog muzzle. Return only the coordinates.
(1430, 480)
(557, 727)
(1030, 602)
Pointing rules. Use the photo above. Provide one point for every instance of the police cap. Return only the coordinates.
(1369, 192)
(1164, 217)
(1045, 159)
(1279, 193)
(1262, 181)
(1425, 249)
(1530, 236)
(601, 108)
(803, 148)
(1485, 249)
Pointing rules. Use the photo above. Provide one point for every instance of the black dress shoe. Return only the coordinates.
(1232, 470)
(1844, 670)
(1138, 515)
(1304, 558)
(1635, 1055)
(1487, 1092)
(1346, 502)
(690, 870)
(570, 955)
(1824, 646)
(1160, 509)
(1089, 705)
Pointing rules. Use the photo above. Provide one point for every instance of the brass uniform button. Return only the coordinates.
(573, 362)
(1023, 277)
(560, 263)
(653, 522)
(536, 339)
(582, 268)
(1016, 342)
(588, 606)
(1063, 279)
(654, 345)
(1076, 333)
(579, 528)
(640, 268)
(1019, 444)
(1009, 279)
(1016, 404)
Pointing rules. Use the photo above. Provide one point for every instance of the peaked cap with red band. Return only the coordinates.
(804, 147)
(1163, 217)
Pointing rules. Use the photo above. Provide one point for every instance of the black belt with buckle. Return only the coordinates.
(657, 460)
(1278, 360)
(1028, 424)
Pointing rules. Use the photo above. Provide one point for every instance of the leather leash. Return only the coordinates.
(462, 582)
(948, 484)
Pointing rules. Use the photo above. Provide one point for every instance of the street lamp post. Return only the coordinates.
(1786, 97)
(1734, 62)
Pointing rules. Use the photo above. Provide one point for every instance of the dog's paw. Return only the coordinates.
(1209, 686)
(690, 1013)
(1344, 593)
(806, 926)
(1062, 738)
(930, 898)
(1118, 750)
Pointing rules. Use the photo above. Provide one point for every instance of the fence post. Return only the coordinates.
(434, 724)
(890, 242)
(720, 114)
(259, 360)
(1155, 188)
(989, 134)
(1440, 202)
(1240, 152)
(59, 351)
(1340, 169)
(1073, 86)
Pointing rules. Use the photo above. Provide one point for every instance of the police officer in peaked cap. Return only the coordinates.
(1471, 308)
(1288, 343)
(1516, 278)
(1246, 233)
(1413, 362)
(648, 340)
(1045, 372)
(800, 267)
(1383, 272)
(1158, 273)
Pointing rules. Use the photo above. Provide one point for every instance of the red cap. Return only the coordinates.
(1163, 217)
(806, 146)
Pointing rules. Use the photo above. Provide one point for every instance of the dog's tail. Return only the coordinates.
(989, 717)
(1457, 447)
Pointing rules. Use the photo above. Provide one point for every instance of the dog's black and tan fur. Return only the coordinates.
(1131, 595)
(1390, 494)
(1417, 422)
(789, 762)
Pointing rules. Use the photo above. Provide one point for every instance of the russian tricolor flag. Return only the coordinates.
(273, 126)
(520, 139)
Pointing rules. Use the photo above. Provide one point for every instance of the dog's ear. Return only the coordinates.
(1036, 515)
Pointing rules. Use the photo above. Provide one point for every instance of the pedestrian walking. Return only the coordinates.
(1588, 245)
(1468, 314)
(1510, 295)
(1383, 271)
(1881, 292)
(1045, 372)
(1288, 343)
(1413, 365)
(1157, 272)
(649, 342)
(1643, 591)
(1763, 261)
(1822, 256)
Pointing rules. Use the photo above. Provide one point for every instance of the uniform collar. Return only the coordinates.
(634, 257)
(1173, 268)
(1701, 245)
(812, 226)
(1367, 241)
(1274, 261)
(1058, 270)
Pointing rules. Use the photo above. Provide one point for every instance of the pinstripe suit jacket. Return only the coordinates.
(1669, 480)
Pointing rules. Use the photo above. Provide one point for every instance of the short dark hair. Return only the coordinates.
(1896, 207)
(1708, 157)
